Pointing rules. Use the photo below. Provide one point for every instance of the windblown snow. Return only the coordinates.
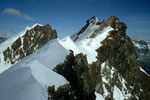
(86, 46)
(29, 78)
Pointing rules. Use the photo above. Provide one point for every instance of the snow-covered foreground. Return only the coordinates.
(29, 79)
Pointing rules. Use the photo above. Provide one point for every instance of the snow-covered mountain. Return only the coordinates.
(23, 44)
(97, 63)
(3, 38)
(143, 50)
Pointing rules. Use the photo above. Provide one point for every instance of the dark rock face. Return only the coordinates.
(29, 43)
(119, 52)
(114, 23)
(143, 52)
(76, 71)
(62, 93)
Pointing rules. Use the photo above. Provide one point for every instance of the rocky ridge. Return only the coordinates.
(116, 70)
(102, 65)
(25, 45)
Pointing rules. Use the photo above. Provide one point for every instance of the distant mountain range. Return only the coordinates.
(3, 38)
(143, 50)
(100, 62)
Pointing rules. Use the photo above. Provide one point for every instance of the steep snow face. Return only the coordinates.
(89, 45)
(92, 26)
(50, 54)
(29, 78)
(86, 46)
(69, 45)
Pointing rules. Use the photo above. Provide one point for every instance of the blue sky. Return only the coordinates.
(68, 16)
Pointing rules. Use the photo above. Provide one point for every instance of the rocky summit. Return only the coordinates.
(97, 63)
(29, 42)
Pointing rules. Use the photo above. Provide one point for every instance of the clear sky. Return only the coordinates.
(68, 16)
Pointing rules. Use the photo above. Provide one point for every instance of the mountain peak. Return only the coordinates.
(30, 41)
(94, 20)
(91, 25)
(99, 61)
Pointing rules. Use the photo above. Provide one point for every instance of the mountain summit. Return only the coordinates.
(97, 63)
(25, 44)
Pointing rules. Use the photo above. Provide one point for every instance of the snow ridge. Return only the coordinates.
(30, 77)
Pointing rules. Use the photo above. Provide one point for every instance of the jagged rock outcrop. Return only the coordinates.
(62, 93)
(115, 72)
(118, 51)
(91, 25)
(75, 70)
(31, 41)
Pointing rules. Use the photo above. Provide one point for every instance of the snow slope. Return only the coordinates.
(88, 31)
(69, 45)
(29, 78)
(86, 46)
